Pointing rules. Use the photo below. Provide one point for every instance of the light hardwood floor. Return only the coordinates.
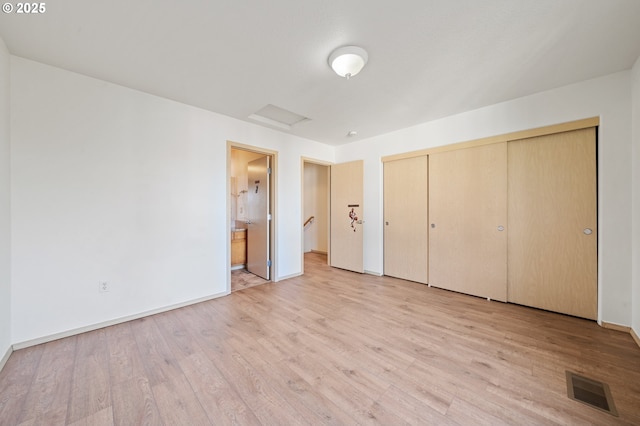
(330, 347)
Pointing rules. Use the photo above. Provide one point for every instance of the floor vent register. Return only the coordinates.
(591, 392)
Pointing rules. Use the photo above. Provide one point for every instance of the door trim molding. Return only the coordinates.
(506, 137)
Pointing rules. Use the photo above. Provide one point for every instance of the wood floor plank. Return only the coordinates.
(336, 387)
(159, 362)
(125, 361)
(464, 412)
(214, 394)
(180, 342)
(253, 390)
(293, 389)
(90, 385)
(133, 403)
(434, 389)
(178, 404)
(266, 403)
(15, 381)
(329, 347)
(413, 410)
(103, 417)
(48, 397)
(217, 396)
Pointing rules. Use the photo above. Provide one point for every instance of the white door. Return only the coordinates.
(259, 217)
(346, 216)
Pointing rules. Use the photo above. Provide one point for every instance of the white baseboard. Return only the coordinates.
(286, 277)
(69, 333)
(5, 358)
(616, 327)
(624, 329)
(377, 274)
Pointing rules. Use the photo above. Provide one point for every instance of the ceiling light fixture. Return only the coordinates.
(348, 61)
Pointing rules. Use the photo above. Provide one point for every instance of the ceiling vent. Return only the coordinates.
(277, 117)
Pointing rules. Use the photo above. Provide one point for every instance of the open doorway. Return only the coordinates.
(315, 212)
(251, 196)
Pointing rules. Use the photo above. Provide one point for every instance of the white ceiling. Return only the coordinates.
(427, 58)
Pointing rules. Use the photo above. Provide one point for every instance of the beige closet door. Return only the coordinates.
(552, 223)
(468, 215)
(346, 216)
(406, 224)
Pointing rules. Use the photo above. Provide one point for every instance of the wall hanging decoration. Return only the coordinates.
(354, 218)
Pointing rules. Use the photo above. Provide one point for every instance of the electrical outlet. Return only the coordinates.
(103, 286)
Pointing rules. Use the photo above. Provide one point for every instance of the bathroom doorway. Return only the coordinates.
(251, 196)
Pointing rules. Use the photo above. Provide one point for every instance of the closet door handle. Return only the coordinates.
(587, 231)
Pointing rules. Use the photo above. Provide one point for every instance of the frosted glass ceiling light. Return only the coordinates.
(347, 61)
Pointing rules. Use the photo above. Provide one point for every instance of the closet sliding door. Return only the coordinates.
(468, 218)
(406, 222)
(552, 223)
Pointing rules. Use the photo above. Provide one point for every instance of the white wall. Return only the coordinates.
(5, 205)
(316, 203)
(608, 97)
(113, 184)
(636, 197)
